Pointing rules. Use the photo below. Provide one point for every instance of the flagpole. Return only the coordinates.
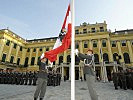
(72, 52)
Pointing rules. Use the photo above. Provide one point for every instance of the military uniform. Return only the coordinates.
(42, 82)
(115, 80)
(89, 73)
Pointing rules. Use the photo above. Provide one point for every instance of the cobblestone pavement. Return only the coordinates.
(105, 91)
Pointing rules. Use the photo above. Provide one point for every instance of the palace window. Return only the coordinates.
(47, 49)
(18, 61)
(132, 42)
(76, 31)
(94, 43)
(126, 58)
(28, 50)
(93, 30)
(85, 44)
(20, 48)
(26, 62)
(32, 60)
(104, 43)
(40, 49)
(123, 43)
(4, 58)
(101, 29)
(39, 61)
(76, 45)
(34, 50)
(15, 45)
(8, 43)
(12, 58)
(84, 31)
(113, 43)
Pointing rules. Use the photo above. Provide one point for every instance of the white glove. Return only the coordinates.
(76, 51)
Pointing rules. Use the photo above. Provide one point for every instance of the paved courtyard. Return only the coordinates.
(105, 91)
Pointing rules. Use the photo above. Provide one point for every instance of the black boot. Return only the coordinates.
(41, 98)
(35, 98)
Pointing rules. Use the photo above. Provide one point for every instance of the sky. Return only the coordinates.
(34, 19)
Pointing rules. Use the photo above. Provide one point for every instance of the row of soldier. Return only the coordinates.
(28, 78)
(18, 78)
(123, 78)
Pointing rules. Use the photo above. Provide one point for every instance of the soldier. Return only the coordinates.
(131, 79)
(14, 78)
(124, 86)
(115, 80)
(22, 79)
(2, 77)
(42, 79)
(50, 77)
(88, 59)
(128, 77)
(26, 78)
(30, 78)
(34, 78)
(54, 78)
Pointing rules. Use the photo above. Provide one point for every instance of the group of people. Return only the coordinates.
(18, 78)
(28, 78)
(123, 78)
(54, 78)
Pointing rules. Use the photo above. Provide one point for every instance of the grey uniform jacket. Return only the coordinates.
(88, 60)
(42, 71)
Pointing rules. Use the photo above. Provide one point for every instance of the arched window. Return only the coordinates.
(76, 45)
(94, 43)
(104, 43)
(39, 61)
(105, 58)
(12, 58)
(85, 44)
(115, 56)
(96, 58)
(77, 61)
(68, 59)
(26, 62)
(18, 61)
(4, 58)
(32, 60)
(54, 63)
(60, 60)
(126, 58)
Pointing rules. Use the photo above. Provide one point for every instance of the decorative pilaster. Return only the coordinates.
(16, 56)
(9, 53)
(36, 58)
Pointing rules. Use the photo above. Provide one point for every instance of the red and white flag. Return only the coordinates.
(63, 41)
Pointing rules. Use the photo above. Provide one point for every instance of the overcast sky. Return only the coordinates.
(43, 18)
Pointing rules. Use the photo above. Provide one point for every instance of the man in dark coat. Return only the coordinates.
(115, 80)
(42, 80)
(88, 59)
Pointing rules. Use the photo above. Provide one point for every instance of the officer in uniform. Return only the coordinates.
(30, 78)
(42, 79)
(115, 80)
(26, 78)
(124, 86)
(34, 78)
(88, 59)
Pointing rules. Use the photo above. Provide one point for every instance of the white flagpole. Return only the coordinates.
(72, 52)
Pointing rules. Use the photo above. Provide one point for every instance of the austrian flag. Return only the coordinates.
(63, 41)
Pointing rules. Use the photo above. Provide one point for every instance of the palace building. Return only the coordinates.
(112, 50)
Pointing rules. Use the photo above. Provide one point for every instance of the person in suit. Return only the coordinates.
(88, 60)
(42, 79)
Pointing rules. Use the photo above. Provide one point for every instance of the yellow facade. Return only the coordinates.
(94, 36)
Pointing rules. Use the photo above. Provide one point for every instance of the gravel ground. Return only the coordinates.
(105, 91)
